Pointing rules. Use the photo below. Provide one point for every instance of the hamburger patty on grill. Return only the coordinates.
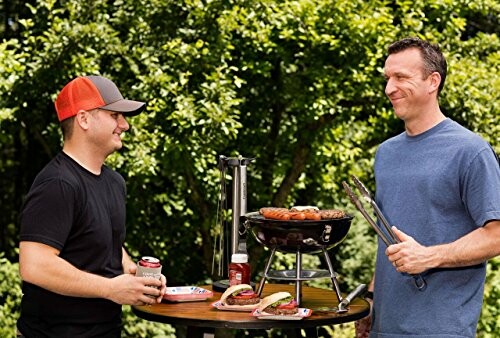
(331, 214)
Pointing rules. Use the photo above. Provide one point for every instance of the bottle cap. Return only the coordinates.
(239, 258)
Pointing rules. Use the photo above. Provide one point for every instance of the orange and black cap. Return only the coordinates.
(91, 92)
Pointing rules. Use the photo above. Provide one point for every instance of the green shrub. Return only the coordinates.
(489, 322)
(10, 299)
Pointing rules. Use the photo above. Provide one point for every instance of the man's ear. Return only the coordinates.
(435, 78)
(82, 119)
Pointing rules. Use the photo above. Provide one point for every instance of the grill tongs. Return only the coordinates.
(420, 282)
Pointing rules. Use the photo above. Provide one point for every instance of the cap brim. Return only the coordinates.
(126, 107)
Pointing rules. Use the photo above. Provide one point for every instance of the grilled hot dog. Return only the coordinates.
(300, 213)
(275, 213)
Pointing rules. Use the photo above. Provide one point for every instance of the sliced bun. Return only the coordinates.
(308, 208)
(230, 290)
(266, 301)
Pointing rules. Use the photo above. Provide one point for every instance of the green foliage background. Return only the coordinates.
(296, 84)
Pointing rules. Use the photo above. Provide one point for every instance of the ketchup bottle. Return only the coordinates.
(239, 269)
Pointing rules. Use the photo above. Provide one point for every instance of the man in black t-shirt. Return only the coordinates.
(75, 271)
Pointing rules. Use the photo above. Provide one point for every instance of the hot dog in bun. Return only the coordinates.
(241, 294)
(279, 303)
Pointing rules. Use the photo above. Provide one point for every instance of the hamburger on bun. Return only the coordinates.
(241, 294)
(279, 303)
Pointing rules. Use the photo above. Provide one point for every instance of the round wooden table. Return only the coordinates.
(202, 314)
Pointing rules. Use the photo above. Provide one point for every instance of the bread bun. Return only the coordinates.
(230, 296)
(308, 208)
(279, 303)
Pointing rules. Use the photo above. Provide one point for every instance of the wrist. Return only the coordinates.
(437, 256)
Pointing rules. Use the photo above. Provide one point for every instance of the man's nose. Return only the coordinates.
(389, 87)
(122, 123)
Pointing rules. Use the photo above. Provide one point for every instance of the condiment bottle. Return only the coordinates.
(239, 269)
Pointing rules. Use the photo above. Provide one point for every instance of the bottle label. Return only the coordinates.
(235, 277)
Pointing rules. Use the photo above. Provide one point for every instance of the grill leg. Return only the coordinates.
(298, 282)
(333, 275)
(264, 277)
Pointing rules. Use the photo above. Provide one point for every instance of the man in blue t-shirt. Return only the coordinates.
(76, 273)
(439, 184)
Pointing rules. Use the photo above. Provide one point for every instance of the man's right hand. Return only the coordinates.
(127, 289)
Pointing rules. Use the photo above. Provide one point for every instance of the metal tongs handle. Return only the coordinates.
(368, 197)
(347, 300)
(420, 282)
(365, 214)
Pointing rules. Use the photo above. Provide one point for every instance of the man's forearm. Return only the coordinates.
(40, 265)
(471, 249)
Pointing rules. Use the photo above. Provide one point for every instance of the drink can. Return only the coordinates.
(149, 267)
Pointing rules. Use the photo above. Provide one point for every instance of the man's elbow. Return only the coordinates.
(32, 258)
(26, 270)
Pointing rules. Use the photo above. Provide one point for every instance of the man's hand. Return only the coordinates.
(409, 256)
(127, 289)
(163, 288)
(363, 326)
(130, 267)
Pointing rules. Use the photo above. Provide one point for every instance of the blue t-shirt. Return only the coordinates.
(436, 187)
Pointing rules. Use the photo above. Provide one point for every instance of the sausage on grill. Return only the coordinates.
(275, 213)
(284, 214)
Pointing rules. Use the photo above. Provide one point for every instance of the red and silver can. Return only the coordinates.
(149, 267)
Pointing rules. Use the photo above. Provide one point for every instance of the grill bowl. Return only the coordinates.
(294, 236)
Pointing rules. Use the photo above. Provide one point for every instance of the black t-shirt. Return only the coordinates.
(83, 216)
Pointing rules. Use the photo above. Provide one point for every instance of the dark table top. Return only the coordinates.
(203, 314)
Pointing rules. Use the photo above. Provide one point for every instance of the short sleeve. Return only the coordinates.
(48, 212)
(481, 194)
